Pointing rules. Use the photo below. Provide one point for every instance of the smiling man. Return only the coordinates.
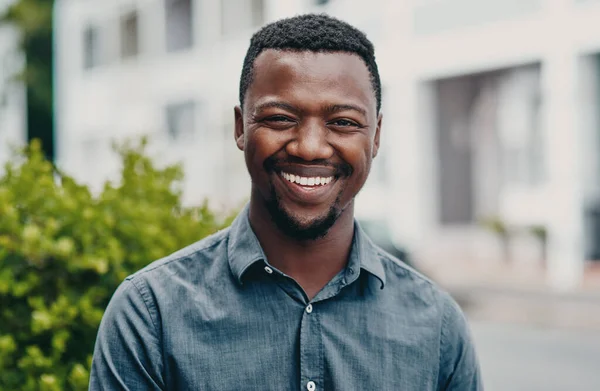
(293, 296)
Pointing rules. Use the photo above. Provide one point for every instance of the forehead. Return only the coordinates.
(303, 75)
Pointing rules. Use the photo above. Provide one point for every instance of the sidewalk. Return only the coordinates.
(520, 294)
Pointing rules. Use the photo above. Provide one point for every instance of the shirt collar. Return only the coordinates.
(244, 250)
(364, 254)
(243, 247)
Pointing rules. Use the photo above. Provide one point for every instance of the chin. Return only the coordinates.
(306, 222)
(299, 226)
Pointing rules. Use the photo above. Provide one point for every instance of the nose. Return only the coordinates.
(310, 142)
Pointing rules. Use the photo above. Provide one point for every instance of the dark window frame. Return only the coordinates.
(129, 30)
(179, 25)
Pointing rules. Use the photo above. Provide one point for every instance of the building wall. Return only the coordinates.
(417, 46)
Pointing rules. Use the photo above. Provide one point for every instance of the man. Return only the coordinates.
(293, 296)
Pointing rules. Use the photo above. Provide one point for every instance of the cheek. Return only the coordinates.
(249, 153)
(358, 154)
(261, 145)
(361, 172)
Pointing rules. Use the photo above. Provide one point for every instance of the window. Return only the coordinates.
(91, 47)
(179, 25)
(520, 129)
(524, 161)
(129, 35)
(241, 15)
(181, 120)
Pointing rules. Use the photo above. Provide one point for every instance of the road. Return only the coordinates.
(525, 358)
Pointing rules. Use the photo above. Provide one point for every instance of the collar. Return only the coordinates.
(365, 255)
(244, 250)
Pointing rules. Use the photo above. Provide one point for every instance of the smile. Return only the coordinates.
(306, 181)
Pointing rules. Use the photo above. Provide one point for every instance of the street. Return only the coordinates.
(526, 358)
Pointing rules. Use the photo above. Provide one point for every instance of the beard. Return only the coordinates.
(294, 226)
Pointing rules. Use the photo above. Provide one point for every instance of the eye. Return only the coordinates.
(278, 118)
(278, 122)
(344, 123)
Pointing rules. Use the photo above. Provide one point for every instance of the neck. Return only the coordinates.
(312, 263)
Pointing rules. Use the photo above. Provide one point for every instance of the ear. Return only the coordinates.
(239, 127)
(377, 135)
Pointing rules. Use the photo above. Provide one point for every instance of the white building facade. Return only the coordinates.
(491, 109)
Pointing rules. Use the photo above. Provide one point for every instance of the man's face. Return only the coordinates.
(309, 130)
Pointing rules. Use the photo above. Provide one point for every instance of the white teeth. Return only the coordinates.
(306, 181)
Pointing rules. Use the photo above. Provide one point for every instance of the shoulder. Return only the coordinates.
(138, 295)
(456, 349)
(421, 289)
(408, 280)
(208, 248)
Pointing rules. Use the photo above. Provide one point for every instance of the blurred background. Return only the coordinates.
(488, 179)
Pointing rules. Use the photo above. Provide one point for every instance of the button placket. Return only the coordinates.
(311, 350)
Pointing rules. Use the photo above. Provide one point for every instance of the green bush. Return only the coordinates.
(63, 252)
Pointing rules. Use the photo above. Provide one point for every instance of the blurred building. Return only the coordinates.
(13, 132)
(491, 110)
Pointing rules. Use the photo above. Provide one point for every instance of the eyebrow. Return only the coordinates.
(276, 104)
(343, 107)
(331, 109)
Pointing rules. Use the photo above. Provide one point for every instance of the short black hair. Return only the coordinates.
(315, 33)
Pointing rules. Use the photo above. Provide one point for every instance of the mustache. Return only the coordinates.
(341, 169)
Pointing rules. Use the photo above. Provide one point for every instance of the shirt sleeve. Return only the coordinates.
(459, 366)
(127, 354)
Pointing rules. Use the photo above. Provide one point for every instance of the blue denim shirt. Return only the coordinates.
(217, 316)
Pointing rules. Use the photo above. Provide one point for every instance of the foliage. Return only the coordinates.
(63, 251)
(539, 231)
(496, 225)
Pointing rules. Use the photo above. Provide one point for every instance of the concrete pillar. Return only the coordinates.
(409, 120)
(563, 146)
(563, 155)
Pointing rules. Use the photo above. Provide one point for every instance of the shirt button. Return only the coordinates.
(350, 270)
(309, 310)
(268, 270)
(310, 386)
